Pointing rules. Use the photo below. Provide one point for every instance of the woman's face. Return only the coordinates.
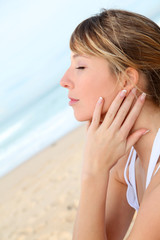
(87, 79)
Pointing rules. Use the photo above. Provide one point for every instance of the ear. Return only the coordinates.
(129, 79)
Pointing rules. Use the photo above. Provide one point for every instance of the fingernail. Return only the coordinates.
(143, 96)
(134, 90)
(100, 100)
(146, 132)
(123, 93)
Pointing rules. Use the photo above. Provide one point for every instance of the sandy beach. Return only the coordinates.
(39, 199)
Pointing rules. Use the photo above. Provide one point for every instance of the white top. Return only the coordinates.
(131, 193)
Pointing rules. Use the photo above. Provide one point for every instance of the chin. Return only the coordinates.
(82, 117)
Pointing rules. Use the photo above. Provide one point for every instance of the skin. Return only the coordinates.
(88, 84)
(115, 122)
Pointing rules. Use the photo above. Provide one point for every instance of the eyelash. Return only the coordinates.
(81, 68)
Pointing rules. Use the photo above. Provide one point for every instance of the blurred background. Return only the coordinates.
(34, 54)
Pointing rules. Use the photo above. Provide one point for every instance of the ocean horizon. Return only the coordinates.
(34, 111)
(34, 128)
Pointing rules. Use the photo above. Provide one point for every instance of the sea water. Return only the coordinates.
(34, 109)
(35, 127)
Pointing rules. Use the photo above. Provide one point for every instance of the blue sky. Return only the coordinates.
(34, 37)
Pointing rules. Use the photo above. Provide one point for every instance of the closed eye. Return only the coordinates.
(80, 67)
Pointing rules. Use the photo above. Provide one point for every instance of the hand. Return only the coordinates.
(110, 140)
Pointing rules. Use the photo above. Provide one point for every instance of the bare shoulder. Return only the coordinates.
(154, 184)
(146, 225)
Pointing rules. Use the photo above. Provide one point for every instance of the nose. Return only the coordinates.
(66, 81)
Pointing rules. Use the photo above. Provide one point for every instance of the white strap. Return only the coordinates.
(154, 157)
(125, 170)
(132, 178)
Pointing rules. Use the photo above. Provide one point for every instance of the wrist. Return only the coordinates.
(94, 174)
(94, 181)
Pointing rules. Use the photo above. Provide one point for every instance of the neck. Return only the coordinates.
(149, 118)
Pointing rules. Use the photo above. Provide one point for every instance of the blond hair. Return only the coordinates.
(124, 39)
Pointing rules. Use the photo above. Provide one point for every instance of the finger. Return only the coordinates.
(113, 109)
(97, 114)
(133, 115)
(124, 109)
(88, 124)
(134, 137)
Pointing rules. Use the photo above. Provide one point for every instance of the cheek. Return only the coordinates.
(84, 111)
(108, 101)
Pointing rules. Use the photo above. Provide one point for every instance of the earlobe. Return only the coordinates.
(130, 78)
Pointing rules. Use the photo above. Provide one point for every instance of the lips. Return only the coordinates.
(73, 101)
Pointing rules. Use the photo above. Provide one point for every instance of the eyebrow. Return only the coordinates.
(77, 55)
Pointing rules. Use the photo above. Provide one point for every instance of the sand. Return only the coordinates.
(39, 199)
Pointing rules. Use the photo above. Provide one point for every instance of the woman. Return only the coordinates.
(114, 84)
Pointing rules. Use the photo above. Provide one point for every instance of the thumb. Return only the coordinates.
(134, 137)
